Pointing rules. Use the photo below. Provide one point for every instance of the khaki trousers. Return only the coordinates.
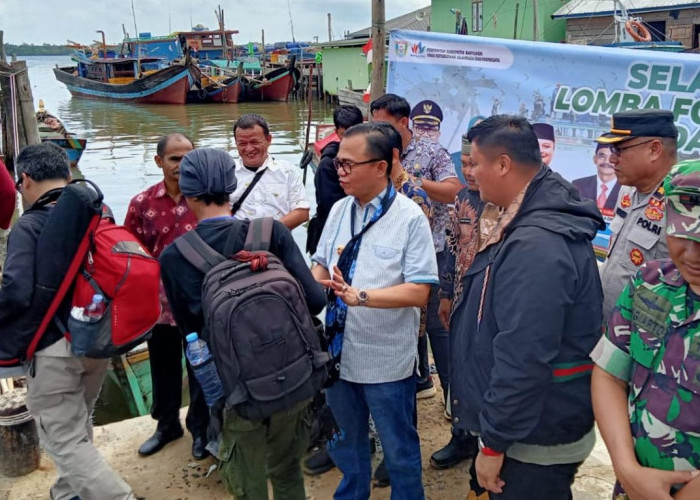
(61, 396)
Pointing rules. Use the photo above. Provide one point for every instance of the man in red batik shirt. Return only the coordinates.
(158, 216)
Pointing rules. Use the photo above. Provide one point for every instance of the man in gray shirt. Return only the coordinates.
(643, 144)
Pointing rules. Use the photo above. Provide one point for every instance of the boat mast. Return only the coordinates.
(138, 43)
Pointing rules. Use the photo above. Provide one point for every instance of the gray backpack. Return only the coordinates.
(262, 336)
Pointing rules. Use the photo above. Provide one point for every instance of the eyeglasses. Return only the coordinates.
(18, 184)
(617, 151)
(347, 165)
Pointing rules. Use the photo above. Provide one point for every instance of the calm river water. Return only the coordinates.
(122, 137)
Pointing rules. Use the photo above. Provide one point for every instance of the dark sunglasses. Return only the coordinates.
(18, 184)
(348, 165)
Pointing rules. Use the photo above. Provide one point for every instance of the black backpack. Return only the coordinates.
(258, 326)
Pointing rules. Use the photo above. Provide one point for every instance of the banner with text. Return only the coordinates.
(569, 90)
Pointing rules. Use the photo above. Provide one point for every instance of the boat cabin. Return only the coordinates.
(117, 71)
(206, 44)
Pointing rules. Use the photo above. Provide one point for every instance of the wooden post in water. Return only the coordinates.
(19, 119)
(19, 440)
(378, 45)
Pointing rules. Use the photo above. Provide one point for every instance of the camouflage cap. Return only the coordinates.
(682, 190)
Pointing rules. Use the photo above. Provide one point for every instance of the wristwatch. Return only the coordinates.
(418, 181)
(362, 298)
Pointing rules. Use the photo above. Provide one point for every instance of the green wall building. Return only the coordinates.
(498, 18)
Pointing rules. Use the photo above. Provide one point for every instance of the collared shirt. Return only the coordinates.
(429, 160)
(379, 345)
(156, 220)
(638, 235)
(278, 192)
(652, 342)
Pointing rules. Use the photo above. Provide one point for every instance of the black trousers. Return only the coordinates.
(530, 481)
(165, 348)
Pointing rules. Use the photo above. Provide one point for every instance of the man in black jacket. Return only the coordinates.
(251, 451)
(531, 310)
(61, 388)
(326, 182)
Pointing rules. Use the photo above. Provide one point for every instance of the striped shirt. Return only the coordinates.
(380, 345)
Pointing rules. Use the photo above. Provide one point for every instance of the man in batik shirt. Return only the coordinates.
(647, 380)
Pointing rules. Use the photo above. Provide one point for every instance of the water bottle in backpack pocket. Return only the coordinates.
(204, 368)
(85, 324)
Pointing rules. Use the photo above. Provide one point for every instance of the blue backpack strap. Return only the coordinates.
(197, 252)
(259, 235)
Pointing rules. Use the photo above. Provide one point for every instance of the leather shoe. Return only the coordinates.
(318, 463)
(158, 440)
(199, 450)
(459, 448)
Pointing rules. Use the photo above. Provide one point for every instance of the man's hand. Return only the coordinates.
(488, 470)
(444, 312)
(345, 292)
(644, 483)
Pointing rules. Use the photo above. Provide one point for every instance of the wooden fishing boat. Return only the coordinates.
(51, 129)
(125, 79)
(275, 85)
(212, 84)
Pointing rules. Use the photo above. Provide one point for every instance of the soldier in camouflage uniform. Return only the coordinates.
(649, 357)
(643, 147)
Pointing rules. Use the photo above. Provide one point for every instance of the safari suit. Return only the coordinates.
(638, 236)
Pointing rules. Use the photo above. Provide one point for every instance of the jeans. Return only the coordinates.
(439, 337)
(552, 482)
(392, 405)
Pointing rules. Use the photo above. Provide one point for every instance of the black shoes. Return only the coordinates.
(459, 448)
(199, 450)
(159, 439)
(381, 475)
(318, 463)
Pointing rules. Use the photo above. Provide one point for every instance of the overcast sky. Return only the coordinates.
(55, 21)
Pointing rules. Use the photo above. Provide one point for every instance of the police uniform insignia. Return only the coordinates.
(653, 213)
(626, 201)
(620, 212)
(636, 257)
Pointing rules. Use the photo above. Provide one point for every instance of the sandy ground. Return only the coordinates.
(172, 474)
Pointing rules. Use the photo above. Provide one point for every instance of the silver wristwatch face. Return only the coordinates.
(362, 296)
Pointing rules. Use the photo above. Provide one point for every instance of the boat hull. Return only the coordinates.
(229, 92)
(167, 86)
(73, 147)
(277, 90)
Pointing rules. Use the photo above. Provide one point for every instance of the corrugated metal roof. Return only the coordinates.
(418, 20)
(595, 8)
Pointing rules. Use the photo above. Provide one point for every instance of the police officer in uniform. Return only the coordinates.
(643, 144)
(426, 117)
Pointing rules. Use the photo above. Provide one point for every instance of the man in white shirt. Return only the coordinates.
(278, 191)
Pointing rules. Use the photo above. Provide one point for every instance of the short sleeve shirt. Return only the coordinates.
(157, 220)
(379, 345)
(278, 192)
(638, 236)
(652, 342)
(428, 159)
